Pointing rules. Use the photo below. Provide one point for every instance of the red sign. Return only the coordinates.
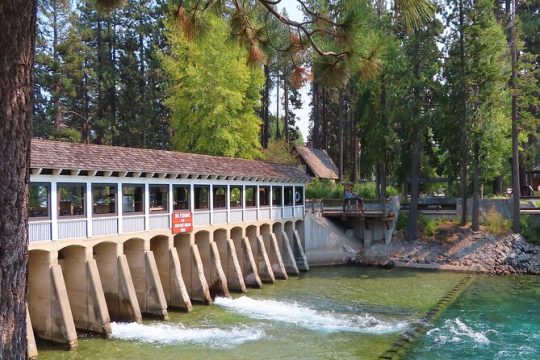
(182, 222)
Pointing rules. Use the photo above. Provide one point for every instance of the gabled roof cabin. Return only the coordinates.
(319, 164)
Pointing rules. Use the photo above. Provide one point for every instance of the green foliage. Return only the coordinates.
(428, 225)
(278, 152)
(495, 223)
(213, 93)
(326, 189)
(368, 190)
(530, 228)
(402, 220)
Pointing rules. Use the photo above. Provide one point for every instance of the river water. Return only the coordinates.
(336, 313)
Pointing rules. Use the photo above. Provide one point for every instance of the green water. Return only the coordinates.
(327, 313)
(495, 318)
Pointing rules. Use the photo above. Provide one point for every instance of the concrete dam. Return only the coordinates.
(116, 234)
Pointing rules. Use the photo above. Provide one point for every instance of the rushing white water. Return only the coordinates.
(455, 330)
(294, 313)
(163, 333)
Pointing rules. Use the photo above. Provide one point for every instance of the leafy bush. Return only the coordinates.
(427, 225)
(402, 220)
(530, 228)
(326, 189)
(323, 189)
(495, 223)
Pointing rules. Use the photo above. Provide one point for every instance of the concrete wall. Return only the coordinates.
(503, 206)
(327, 244)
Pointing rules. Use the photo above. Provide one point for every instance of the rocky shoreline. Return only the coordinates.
(462, 250)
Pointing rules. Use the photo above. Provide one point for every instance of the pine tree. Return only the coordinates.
(214, 94)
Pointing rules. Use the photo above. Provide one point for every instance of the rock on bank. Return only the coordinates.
(465, 250)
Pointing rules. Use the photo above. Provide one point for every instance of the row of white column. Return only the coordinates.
(119, 204)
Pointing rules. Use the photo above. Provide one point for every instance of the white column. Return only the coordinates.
(283, 202)
(171, 204)
(54, 211)
(228, 203)
(120, 208)
(191, 198)
(294, 200)
(303, 201)
(211, 203)
(146, 206)
(243, 202)
(89, 209)
(271, 203)
(257, 201)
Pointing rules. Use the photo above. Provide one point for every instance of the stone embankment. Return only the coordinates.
(464, 250)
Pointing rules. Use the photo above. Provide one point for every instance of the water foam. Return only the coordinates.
(163, 333)
(455, 330)
(294, 313)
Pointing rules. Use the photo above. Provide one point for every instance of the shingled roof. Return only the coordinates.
(319, 162)
(57, 155)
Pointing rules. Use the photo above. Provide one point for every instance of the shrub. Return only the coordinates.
(320, 189)
(427, 225)
(495, 223)
(530, 228)
(325, 189)
(402, 220)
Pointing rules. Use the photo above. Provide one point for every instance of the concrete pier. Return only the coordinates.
(251, 275)
(289, 260)
(84, 290)
(263, 262)
(32, 348)
(117, 283)
(48, 302)
(86, 284)
(276, 260)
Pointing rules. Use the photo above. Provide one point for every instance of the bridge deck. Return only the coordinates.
(335, 211)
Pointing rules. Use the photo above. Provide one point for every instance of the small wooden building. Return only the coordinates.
(533, 178)
(317, 162)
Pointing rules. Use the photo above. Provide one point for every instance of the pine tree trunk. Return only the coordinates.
(266, 101)
(286, 107)
(100, 133)
(412, 226)
(17, 37)
(112, 88)
(56, 86)
(278, 133)
(378, 179)
(385, 128)
(497, 185)
(142, 84)
(464, 146)
(85, 128)
(315, 135)
(352, 148)
(341, 114)
(324, 127)
(516, 223)
(476, 187)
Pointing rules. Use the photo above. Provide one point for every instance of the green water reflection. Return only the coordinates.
(390, 296)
